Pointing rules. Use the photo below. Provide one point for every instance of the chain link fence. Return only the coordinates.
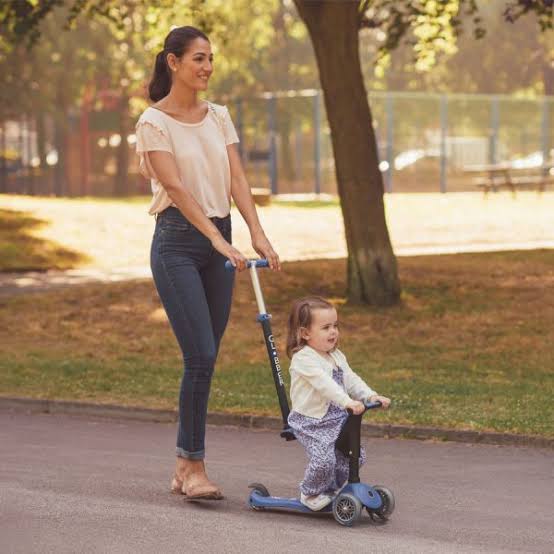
(426, 143)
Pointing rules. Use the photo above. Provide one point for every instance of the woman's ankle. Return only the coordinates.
(186, 467)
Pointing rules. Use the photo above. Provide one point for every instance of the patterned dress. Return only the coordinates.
(327, 468)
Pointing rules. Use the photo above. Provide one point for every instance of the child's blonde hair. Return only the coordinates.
(301, 317)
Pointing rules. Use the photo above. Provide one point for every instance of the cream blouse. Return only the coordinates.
(312, 387)
(200, 152)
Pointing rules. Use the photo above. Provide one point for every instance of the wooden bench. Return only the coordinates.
(262, 196)
(504, 175)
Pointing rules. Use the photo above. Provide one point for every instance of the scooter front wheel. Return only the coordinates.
(347, 509)
(385, 511)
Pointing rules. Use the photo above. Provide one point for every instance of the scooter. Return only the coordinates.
(348, 505)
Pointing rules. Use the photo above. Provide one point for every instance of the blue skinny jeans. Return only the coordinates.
(196, 291)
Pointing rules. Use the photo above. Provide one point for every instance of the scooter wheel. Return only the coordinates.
(258, 487)
(347, 509)
(386, 510)
(261, 490)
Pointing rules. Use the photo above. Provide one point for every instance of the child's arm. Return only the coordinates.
(356, 387)
(312, 371)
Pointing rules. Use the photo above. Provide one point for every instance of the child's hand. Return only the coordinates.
(383, 399)
(356, 407)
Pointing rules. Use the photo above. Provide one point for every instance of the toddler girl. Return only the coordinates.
(323, 387)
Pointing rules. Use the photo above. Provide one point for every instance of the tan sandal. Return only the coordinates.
(177, 486)
(202, 492)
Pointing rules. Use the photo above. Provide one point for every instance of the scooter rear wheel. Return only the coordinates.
(347, 509)
(261, 490)
(258, 487)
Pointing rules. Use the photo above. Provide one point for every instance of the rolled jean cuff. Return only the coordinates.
(198, 455)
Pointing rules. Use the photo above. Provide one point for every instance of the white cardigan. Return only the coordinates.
(312, 387)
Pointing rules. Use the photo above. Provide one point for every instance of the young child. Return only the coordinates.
(323, 387)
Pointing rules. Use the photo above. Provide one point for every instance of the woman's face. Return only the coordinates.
(195, 66)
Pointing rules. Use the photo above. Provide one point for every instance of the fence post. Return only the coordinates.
(3, 164)
(493, 136)
(298, 155)
(545, 134)
(444, 132)
(317, 143)
(23, 182)
(389, 100)
(273, 143)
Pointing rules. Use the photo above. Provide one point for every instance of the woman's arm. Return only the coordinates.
(240, 191)
(165, 169)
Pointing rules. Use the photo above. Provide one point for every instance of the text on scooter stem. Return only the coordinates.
(275, 359)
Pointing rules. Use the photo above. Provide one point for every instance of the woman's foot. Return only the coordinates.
(176, 485)
(191, 480)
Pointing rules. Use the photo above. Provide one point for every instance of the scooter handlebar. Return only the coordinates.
(368, 406)
(258, 263)
(371, 405)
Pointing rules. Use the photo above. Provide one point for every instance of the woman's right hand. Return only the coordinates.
(236, 257)
(356, 407)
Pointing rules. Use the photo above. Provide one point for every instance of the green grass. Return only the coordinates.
(306, 203)
(471, 346)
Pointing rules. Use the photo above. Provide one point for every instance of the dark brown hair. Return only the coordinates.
(177, 42)
(301, 317)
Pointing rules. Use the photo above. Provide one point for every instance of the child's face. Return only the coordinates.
(323, 333)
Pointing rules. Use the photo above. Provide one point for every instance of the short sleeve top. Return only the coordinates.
(200, 152)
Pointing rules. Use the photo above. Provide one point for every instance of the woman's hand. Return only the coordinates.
(263, 247)
(229, 251)
(383, 399)
(356, 407)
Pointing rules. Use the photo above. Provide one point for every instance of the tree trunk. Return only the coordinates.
(281, 81)
(60, 140)
(121, 179)
(41, 139)
(372, 269)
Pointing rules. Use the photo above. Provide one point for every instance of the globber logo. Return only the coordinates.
(275, 359)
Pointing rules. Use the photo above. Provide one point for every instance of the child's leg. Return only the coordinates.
(342, 470)
(320, 473)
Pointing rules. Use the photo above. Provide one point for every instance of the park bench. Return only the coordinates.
(505, 175)
(261, 196)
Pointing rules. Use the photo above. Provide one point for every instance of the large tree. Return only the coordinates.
(334, 26)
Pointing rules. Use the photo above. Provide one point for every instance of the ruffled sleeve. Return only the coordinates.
(151, 136)
(229, 130)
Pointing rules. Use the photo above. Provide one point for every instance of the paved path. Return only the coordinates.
(69, 484)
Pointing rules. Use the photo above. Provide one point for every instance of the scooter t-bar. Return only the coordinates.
(264, 319)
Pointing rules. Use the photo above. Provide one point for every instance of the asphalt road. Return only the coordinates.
(70, 484)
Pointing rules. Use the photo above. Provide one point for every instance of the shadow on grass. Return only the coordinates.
(21, 251)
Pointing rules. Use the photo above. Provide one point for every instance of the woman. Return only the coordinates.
(187, 147)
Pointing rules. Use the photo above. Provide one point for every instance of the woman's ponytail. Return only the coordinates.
(177, 43)
(160, 85)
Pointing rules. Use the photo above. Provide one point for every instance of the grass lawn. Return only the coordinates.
(470, 347)
(21, 250)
